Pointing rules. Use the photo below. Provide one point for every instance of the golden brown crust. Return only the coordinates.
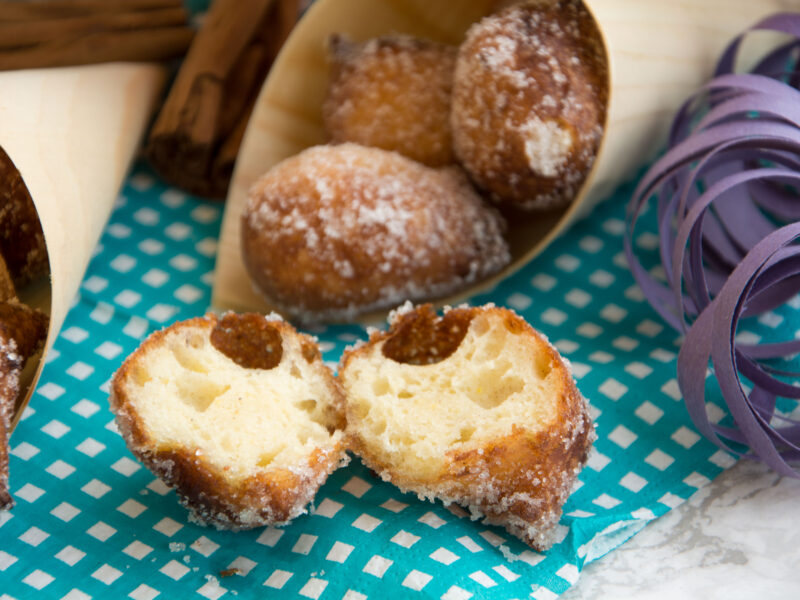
(519, 481)
(337, 231)
(272, 496)
(393, 93)
(7, 290)
(25, 325)
(10, 368)
(21, 237)
(22, 332)
(529, 103)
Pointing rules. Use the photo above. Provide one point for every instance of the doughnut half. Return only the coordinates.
(238, 413)
(474, 408)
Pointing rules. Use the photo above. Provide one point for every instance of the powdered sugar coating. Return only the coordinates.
(393, 93)
(247, 518)
(10, 368)
(541, 490)
(397, 313)
(22, 332)
(217, 489)
(517, 476)
(341, 230)
(547, 146)
(529, 101)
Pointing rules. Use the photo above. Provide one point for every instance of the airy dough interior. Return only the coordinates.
(411, 415)
(190, 394)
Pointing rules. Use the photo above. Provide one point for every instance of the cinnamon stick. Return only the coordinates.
(195, 138)
(52, 9)
(141, 45)
(26, 33)
(55, 33)
(281, 19)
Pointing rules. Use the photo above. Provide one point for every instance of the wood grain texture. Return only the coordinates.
(72, 134)
(659, 51)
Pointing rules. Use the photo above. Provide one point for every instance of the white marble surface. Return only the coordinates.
(737, 538)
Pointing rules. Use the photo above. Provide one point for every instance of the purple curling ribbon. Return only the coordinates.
(727, 195)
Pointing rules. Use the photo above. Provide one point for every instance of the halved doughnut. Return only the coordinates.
(474, 407)
(238, 413)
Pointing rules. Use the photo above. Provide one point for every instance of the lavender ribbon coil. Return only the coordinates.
(728, 211)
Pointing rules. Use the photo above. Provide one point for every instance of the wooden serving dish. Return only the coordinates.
(658, 52)
(72, 133)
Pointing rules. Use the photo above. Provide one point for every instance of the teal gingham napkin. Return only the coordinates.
(91, 521)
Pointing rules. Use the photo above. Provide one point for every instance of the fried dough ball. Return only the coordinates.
(21, 236)
(392, 93)
(474, 407)
(238, 413)
(529, 103)
(22, 333)
(337, 231)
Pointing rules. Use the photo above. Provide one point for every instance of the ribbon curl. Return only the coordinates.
(728, 212)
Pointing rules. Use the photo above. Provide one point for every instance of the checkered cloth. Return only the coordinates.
(92, 522)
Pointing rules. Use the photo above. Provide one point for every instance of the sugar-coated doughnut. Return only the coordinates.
(529, 103)
(393, 93)
(337, 231)
(238, 413)
(22, 333)
(21, 237)
(9, 389)
(474, 407)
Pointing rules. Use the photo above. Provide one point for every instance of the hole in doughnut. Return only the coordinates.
(199, 393)
(493, 346)
(195, 340)
(307, 405)
(379, 427)
(311, 407)
(266, 459)
(480, 327)
(514, 324)
(140, 375)
(380, 386)
(466, 433)
(420, 338)
(187, 359)
(310, 351)
(248, 341)
(360, 409)
(489, 390)
(404, 394)
(543, 365)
